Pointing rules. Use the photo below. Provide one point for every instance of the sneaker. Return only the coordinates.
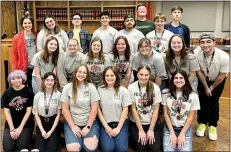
(212, 133)
(34, 150)
(201, 130)
(24, 150)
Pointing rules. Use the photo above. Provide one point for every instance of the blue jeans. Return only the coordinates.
(34, 85)
(70, 137)
(118, 143)
(194, 84)
(188, 139)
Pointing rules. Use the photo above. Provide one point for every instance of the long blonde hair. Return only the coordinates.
(75, 82)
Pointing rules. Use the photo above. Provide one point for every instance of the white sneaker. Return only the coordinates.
(34, 150)
(201, 130)
(212, 133)
(24, 150)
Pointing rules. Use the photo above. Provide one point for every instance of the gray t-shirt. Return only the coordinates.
(61, 36)
(112, 103)
(80, 111)
(96, 69)
(121, 65)
(133, 37)
(107, 37)
(139, 97)
(66, 66)
(53, 106)
(155, 62)
(178, 109)
(30, 48)
(44, 67)
(190, 65)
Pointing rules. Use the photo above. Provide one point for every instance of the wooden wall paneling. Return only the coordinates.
(84, 3)
(91, 26)
(57, 3)
(8, 18)
(20, 5)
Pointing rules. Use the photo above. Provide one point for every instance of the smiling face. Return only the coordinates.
(96, 47)
(207, 45)
(16, 81)
(52, 46)
(142, 11)
(159, 23)
(104, 20)
(145, 49)
(76, 20)
(73, 46)
(110, 78)
(27, 24)
(179, 81)
(49, 82)
(121, 45)
(81, 74)
(50, 23)
(176, 44)
(143, 76)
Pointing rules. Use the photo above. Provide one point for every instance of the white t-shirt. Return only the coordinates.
(86, 94)
(164, 39)
(53, 106)
(107, 37)
(178, 109)
(219, 64)
(133, 37)
(112, 103)
(145, 113)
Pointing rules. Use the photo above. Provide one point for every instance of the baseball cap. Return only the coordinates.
(129, 16)
(206, 35)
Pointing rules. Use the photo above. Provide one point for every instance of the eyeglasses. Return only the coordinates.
(76, 18)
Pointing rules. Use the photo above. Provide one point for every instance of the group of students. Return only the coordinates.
(110, 87)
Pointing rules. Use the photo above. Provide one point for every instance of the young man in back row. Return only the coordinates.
(176, 27)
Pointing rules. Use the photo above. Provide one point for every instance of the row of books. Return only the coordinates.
(59, 14)
(117, 25)
(87, 14)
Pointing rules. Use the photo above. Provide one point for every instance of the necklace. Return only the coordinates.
(47, 105)
(207, 66)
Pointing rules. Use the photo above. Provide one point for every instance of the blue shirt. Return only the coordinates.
(176, 30)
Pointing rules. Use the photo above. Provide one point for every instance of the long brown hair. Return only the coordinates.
(149, 87)
(43, 87)
(45, 52)
(186, 89)
(170, 53)
(90, 53)
(46, 29)
(117, 82)
(75, 82)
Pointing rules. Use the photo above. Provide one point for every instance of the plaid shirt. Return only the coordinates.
(85, 38)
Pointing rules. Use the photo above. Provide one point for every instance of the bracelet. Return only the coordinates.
(152, 129)
(12, 130)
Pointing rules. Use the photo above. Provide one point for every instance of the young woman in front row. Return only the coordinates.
(146, 96)
(80, 104)
(46, 109)
(17, 102)
(113, 112)
(179, 103)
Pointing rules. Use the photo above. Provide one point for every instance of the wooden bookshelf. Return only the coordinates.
(90, 10)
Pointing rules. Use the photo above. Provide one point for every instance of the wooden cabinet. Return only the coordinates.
(6, 61)
(90, 10)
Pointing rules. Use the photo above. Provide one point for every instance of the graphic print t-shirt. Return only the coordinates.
(18, 101)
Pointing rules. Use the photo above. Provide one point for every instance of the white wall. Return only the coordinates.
(218, 24)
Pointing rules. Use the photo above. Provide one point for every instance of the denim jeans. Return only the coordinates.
(35, 85)
(188, 139)
(118, 143)
(194, 84)
(70, 137)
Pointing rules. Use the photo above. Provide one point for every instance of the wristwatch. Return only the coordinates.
(88, 127)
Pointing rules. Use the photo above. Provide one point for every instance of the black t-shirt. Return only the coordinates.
(18, 101)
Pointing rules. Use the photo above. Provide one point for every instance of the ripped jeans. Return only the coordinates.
(188, 139)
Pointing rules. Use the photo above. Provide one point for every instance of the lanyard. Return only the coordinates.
(159, 39)
(207, 66)
(47, 104)
(178, 66)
